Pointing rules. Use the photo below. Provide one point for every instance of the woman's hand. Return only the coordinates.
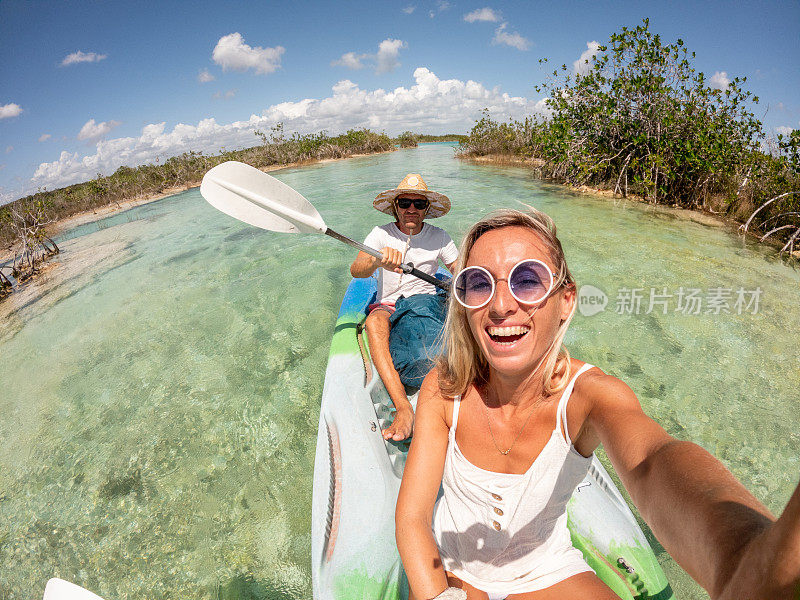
(452, 593)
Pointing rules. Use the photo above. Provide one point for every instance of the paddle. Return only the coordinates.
(58, 589)
(252, 196)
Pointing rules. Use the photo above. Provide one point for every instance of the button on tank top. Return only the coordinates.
(507, 533)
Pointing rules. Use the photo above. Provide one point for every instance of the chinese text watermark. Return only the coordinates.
(684, 300)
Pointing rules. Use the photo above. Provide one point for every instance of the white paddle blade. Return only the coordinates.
(252, 196)
(58, 589)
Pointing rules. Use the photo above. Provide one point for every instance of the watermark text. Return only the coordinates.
(683, 300)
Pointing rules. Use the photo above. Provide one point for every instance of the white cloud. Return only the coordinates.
(387, 55)
(386, 59)
(441, 6)
(232, 53)
(515, 40)
(351, 60)
(44, 137)
(482, 14)
(784, 130)
(409, 9)
(94, 131)
(204, 76)
(430, 104)
(82, 57)
(584, 64)
(719, 80)
(10, 110)
(225, 95)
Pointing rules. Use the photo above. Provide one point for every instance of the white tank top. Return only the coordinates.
(507, 533)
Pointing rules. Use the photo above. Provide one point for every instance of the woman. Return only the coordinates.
(507, 424)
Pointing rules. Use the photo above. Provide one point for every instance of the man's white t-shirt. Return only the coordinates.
(425, 250)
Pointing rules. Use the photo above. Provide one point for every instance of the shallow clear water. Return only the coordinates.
(159, 407)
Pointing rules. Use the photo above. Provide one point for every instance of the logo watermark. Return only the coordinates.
(591, 300)
(684, 300)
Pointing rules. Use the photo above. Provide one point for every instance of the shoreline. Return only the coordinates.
(707, 218)
(99, 213)
(54, 268)
(90, 216)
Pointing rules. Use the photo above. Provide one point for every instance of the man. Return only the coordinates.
(408, 240)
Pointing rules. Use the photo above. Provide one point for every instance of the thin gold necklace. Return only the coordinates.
(519, 433)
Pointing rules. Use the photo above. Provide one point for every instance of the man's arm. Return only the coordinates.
(448, 253)
(365, 265)
(705, 518)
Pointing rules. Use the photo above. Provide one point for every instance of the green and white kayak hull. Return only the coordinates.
(357, 478)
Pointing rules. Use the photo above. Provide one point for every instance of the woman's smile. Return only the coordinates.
(507, 336)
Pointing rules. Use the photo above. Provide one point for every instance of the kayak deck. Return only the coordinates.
(384, 412)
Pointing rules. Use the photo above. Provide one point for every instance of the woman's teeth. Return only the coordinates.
(507, 335)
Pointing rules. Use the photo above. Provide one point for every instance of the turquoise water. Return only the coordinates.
(159, 405)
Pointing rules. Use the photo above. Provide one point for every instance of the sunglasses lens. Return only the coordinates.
(530, 281)
(473, 287)
(419, 204)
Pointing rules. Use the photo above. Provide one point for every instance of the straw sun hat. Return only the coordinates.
(413, 184)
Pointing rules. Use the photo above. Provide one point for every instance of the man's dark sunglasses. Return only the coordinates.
(419, 203)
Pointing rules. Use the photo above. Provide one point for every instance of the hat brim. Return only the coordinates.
(439, 203)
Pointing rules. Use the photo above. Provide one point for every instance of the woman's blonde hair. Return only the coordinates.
(462, 361)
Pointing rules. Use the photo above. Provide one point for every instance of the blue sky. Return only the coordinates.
(88, 86)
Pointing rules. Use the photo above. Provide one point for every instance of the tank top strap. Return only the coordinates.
(456, 406)
(562, 404)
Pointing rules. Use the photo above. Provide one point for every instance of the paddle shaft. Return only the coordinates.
(245, 193)
(372, 252)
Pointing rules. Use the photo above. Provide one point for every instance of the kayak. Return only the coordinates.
(357, 477)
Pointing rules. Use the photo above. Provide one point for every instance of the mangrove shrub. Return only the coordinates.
(638, 118)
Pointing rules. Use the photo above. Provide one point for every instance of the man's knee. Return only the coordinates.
(377, 323)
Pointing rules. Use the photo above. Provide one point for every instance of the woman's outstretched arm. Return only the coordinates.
(420, 486)
(770, 562)
(706, 519)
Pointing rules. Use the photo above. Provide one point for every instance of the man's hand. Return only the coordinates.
(365, 264)
(391, 261)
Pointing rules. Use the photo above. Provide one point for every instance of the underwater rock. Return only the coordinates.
(116, 487)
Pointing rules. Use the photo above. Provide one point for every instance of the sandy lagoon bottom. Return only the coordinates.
(162, 386)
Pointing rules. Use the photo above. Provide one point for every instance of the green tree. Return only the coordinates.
(407, 139)
(638, 118)
(643, 118)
